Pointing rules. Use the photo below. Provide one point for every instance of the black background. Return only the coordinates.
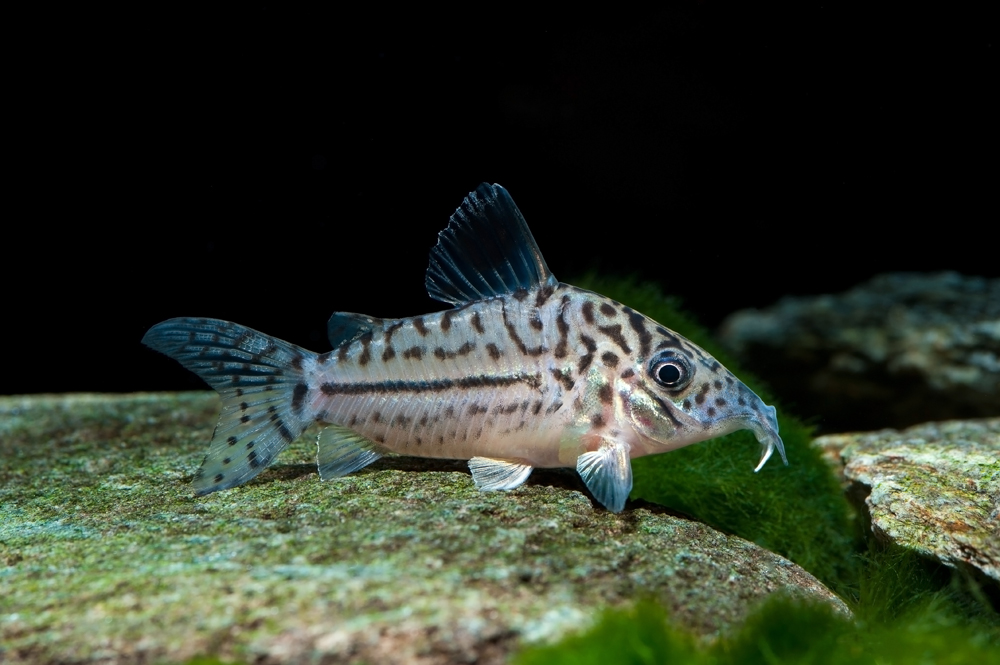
(271, 166)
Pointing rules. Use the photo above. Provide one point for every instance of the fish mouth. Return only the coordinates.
(766, 431)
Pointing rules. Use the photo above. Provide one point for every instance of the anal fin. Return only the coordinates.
(491, 474)
(341, 451)
(607, 473)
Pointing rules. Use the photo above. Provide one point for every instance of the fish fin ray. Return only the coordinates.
(607, 472)
(340, 451)
(490, 474)
(486, 250)
(345, 327)
(256, 376)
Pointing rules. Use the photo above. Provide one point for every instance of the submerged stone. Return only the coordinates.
(900, 349)
(934, 488)
(106, 556)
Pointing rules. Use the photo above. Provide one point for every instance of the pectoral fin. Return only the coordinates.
(607, 473)
(496, 474)
(342, 451)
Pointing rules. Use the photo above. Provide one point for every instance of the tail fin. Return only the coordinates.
(262, 382)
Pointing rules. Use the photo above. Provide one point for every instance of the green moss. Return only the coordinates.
(641, 635)
(798, 511)
(786, 630)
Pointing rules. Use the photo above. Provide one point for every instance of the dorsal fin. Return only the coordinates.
(345, 327)
(485, 251)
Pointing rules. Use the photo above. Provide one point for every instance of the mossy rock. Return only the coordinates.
(933, 488)
(105, 555)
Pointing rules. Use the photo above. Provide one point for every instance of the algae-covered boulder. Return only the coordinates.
(105, 555)
(934, 488)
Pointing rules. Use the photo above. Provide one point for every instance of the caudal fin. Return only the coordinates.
(262, 384)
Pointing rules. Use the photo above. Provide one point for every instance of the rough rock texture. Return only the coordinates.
(105, 555)
(902, 349)
(934, 487)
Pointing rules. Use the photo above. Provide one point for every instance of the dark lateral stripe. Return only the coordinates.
(438, 385)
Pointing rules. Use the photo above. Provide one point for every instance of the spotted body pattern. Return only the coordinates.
(524, 372)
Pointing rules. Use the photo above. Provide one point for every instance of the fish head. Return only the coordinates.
(679, 395)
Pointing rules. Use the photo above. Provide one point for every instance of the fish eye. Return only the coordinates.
(670, 371)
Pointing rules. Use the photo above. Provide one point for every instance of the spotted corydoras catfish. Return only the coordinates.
(524, 372)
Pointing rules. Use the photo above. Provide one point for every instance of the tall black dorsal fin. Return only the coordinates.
(345, 327)
(485, 251)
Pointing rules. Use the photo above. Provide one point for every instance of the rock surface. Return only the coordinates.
(105, 555)
(901, 349)
(934, 487)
